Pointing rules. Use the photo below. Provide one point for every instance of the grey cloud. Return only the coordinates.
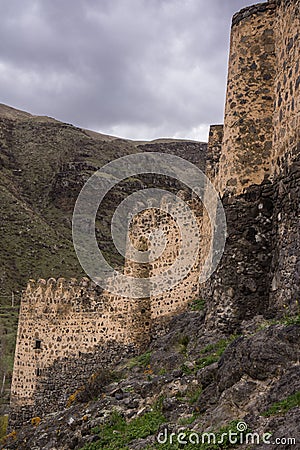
(118, 66)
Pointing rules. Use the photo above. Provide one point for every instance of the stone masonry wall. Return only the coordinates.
(286, 119)
(212, 170)
(248, 126)
(174, 299)
(285, 268)
(140, 308)
(216, 134)
(260, 269)
(285, 159)
(239, 289)
(61, 319)
(66, 376)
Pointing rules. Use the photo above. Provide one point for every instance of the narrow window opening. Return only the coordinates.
(38, 344)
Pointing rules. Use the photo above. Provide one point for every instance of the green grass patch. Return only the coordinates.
(3, 426)
(286, 320)
(117, 433)
(280, 408)
(188, 420)
(213, 352)
(194, 394)
(198, 304)
(209, 355)
(290, 317)
(187, 370)
(183, 342)
(141, 360)
(291, 320)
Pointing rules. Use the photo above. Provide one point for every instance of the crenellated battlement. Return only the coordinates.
(58, 284)
(65, 297)
(61, 290)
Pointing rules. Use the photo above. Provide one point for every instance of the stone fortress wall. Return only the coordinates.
(285, 266)
(248, 127)
(62, 320)
(286, 117)
(261, 125)
(253, 160)
(258, 171)
(175, 299)
(59, 319)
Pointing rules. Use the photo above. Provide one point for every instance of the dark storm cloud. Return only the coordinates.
(136, 68)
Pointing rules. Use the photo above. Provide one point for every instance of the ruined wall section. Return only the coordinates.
(64, 323)
(139, 310)
(215, 141)
(248, 124)
(239, 288)
(175, 299)
(66, 377)
(62, 319)
(214, 149)
(285, 269)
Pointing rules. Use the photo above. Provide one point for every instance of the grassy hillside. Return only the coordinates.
(43, 165)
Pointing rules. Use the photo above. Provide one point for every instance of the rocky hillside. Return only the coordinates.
(43, 166)
(190, 380)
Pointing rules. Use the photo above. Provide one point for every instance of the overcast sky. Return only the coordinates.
(139, 69)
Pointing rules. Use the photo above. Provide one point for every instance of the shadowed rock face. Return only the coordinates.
(249, 375)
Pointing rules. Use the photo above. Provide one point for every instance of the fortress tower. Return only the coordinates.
(258, 169)
(60, 320)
